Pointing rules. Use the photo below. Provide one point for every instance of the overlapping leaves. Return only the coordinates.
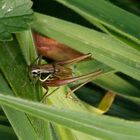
(14, 16)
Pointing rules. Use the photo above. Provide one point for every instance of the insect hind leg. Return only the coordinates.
(74, 60)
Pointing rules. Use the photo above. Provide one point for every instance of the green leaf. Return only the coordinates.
(62, 133)
(15, 16)
(104, 127)
(118, 19)
(103, 48)
(15, 116)
(7, 133)
(20, 120)
(121, 107)
(16, 73)
(26, 43)
(121, 86)
(58, 99)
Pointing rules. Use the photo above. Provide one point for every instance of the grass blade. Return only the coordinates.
(99, 11)
(7, 133)
(17, 119)
(104, 127)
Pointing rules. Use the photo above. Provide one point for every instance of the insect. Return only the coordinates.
(58, 73)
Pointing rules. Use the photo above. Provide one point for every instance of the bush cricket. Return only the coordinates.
(58, 73)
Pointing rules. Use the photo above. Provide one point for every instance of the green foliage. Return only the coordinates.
(7, 133)
(14, 17)
(117, 20)
(114, 45)
(100, 126)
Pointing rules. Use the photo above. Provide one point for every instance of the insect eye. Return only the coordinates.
(35, 74)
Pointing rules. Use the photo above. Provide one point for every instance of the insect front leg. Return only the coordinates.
(46, 95)
(46, 78)
(38, 60)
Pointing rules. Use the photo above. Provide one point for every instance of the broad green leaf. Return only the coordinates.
(15, 16)
(125, 40)
(102, 47)
(62, 133)
(104, 127)
(66, 134)
(51, 133)
(131, 6)
(118, 19)
(16, 71)
(7, 133)
(17, 119)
